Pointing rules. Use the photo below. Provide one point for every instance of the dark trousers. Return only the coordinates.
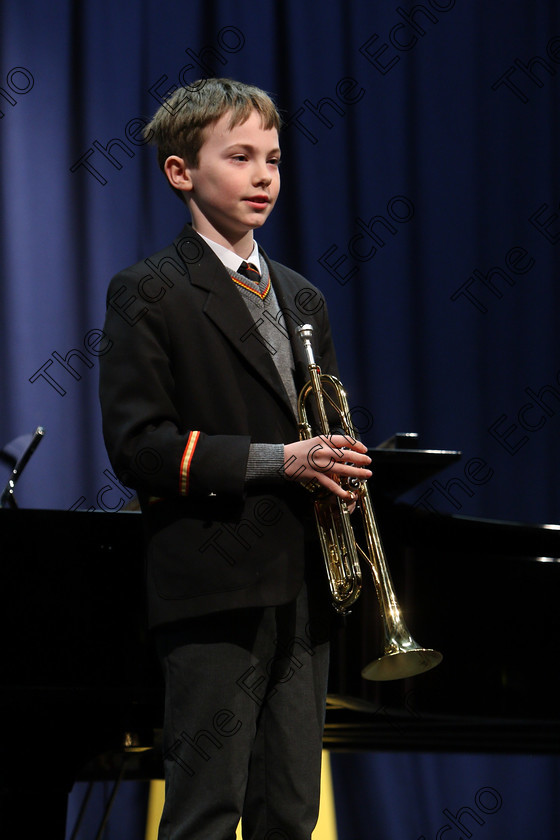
(244, 717)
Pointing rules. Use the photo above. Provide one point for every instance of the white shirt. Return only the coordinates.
(230, 259)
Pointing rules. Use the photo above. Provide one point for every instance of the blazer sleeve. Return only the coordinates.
(146, 441)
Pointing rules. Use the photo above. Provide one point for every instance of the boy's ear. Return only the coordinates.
(178, 173)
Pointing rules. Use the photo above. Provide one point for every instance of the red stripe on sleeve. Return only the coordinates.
(186, 462)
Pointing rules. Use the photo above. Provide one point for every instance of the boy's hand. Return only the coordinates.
(322, 458)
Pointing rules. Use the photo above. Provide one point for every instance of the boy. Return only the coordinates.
(198, 396)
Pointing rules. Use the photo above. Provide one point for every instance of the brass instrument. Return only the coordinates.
(402, 656)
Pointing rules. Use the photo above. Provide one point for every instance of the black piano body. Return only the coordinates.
(80, 686)
(81, 693)
(483, 593)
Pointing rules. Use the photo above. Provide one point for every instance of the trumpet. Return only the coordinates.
(402, 656)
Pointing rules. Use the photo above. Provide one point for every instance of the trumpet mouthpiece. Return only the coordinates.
(305, 332)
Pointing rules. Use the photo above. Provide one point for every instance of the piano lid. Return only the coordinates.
(398, 465)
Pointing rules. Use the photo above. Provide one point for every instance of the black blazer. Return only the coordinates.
(185, 386)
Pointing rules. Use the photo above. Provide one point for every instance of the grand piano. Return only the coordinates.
(81, 692)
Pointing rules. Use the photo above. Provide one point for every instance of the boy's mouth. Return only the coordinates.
(258, 200)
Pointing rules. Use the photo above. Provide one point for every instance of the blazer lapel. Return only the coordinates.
(226, 308)
(291, 321)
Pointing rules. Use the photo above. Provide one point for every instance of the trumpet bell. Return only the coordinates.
(398, 664)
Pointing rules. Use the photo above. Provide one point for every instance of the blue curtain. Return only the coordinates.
(420, 192)
(453, 797)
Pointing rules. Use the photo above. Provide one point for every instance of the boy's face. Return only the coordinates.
(237, 181)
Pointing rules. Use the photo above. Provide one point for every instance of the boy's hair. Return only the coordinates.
(177, 127)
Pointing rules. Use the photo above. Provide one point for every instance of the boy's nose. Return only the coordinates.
(262, 175)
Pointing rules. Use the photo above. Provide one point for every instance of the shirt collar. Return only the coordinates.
(231, 260)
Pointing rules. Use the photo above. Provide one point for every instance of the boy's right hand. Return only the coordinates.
(324, 458)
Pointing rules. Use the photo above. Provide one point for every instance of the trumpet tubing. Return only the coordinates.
(402, 656)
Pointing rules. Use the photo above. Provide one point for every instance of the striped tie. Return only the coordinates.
(249, 271)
